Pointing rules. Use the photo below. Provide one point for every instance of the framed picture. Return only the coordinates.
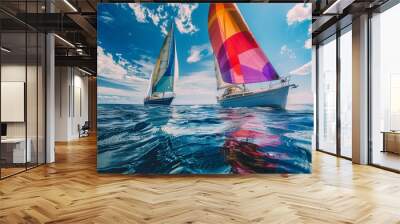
(204, 88)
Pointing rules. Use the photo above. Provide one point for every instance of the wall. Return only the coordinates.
(33, 126)
(71, 87)
(16, 73)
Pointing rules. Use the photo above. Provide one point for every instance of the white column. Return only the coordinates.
(50, 98)
(63, 99)
(360, 90)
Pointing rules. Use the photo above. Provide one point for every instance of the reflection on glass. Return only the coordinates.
(327, 96)
(31, 99)
(13, 86)
(385, 86)
(41, 99)
(394, 101)
(23, 91)
(346, 94)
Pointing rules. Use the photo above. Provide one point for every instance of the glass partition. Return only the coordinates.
(31, 99)
(327, 96)
(346, 93)
(41, 97)
(385, 89)
(22, 77)
(13, 105)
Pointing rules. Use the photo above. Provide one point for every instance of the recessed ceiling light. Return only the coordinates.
(64, 40)
(337, 7)
(70, 5)
(5, 50)
(84, 71)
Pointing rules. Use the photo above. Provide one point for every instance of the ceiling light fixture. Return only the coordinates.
(337, 7)
(84, 71)
(5, 50)
(64, 40)
(70, 5)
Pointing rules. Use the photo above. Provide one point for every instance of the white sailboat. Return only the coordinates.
(165, 74)
(240, 61)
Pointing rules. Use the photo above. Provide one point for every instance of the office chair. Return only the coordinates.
(84, 130)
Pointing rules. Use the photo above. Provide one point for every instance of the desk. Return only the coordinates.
(16, 147)
(391, 141)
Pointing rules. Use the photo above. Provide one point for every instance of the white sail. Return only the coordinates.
(164, 59)
(158, 80)
(153, 77)
(176, 69)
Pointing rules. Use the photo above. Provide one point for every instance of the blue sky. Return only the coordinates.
(130, 38)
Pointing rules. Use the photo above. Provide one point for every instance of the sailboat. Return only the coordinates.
(240, 61)
(165, 73)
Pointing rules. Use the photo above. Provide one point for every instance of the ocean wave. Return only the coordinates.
(203, 140)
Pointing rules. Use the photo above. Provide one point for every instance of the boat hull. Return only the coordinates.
(276, 98)
(159, 101)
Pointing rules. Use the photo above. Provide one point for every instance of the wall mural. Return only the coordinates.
(204, 88)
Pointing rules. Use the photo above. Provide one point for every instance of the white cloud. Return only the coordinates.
(307, 44)
(182, 14)
(300, 97)
(112, 95)
(144, 15)
(154, 17)
(146, 66)
(196, 88)
(193, 88)
(139, 11)
(163, 27)
(113, 91)
(299, 13)
(133, 93)
(130, 76)
(310, 29)
(108, 67)
(197, 52)
(118, 68)
(286, 51)
(183, 20)
(106, 17)
(302, 70)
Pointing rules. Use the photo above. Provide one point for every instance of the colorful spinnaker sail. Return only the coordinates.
(220, 83)
(166, 69)
(240, 58)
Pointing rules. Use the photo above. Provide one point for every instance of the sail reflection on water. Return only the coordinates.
(250, 147)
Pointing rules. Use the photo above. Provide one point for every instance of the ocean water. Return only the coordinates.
(138, 139)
